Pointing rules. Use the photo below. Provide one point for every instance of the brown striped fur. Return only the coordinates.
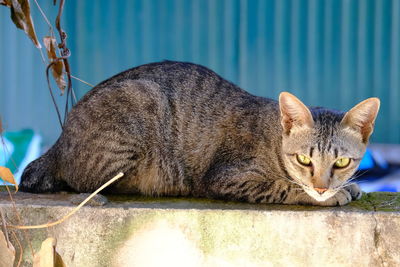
(179, 129)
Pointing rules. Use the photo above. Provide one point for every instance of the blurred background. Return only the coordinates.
(332, 53)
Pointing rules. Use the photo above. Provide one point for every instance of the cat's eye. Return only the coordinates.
(303, 160)
(342, 163)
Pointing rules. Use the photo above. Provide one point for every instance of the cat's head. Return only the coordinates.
(321, 148)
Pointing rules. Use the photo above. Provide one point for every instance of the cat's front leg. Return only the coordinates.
(251, 186)
(354, 190)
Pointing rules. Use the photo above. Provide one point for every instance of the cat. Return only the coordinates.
(179, 129)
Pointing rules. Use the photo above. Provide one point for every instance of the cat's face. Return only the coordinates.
(322, 153)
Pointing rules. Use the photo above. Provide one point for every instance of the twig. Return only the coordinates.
(82, 81)
(119, 175)
(65, 53)
(45, 18)
(4, 226)
(51, 93)
(25, 233)
(42, 56)
(20, 248)
(73, 96)
(50, 29)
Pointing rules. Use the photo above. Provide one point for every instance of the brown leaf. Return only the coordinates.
(7, 176)
(7, 252)
(48, 256)
(21, 16)
(58, 66)
(6, 3)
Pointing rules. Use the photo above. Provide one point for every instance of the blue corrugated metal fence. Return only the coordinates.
(329, 53)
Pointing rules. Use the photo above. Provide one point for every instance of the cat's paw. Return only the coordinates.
(344, 196)
(341, 198)
(354, 190)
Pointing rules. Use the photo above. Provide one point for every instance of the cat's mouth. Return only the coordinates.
(320, 197)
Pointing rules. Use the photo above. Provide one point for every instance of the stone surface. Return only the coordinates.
(137, 231)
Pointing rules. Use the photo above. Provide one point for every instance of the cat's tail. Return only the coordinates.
(40, 175)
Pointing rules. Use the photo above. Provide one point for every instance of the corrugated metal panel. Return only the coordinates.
(329, 53)
(24, 98)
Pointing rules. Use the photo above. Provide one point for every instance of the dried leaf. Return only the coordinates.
(7, 176)
(6, 3)
(21, 16)
(7, 252)
(58, 66)
(48, 256)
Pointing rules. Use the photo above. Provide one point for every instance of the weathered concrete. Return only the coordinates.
(182, 232)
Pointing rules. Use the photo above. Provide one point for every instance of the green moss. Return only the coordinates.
(204, 203)
(148, 199)
(4, 189)
(378, 201)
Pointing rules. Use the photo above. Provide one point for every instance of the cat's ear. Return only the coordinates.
(293, 113)
(362, 117)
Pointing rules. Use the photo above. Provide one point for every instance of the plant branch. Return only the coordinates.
(51, 93)
(46, 225)
(4, 226)
(21, 250)
(82, 81)
(65, 53)
(45, 18)
(25, 233)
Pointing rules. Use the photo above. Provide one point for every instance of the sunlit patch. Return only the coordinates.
(159, 244)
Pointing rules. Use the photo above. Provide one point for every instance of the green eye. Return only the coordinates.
(342, 163)
(304, 160)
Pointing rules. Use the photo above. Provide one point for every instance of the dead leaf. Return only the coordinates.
(58, 65)
(7, 252)
(21, 16)
(48, 256)
(7, 176)
(6, 3)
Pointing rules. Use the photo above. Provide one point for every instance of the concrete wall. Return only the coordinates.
(183, 232)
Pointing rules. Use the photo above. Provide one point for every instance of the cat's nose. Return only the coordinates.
(320, 190)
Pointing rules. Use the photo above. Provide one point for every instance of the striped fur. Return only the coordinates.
(179, 129)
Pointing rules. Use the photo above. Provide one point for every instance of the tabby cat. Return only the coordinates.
(179, 129)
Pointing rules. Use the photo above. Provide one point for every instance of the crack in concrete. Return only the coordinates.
(377, 232)
(377, 237)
